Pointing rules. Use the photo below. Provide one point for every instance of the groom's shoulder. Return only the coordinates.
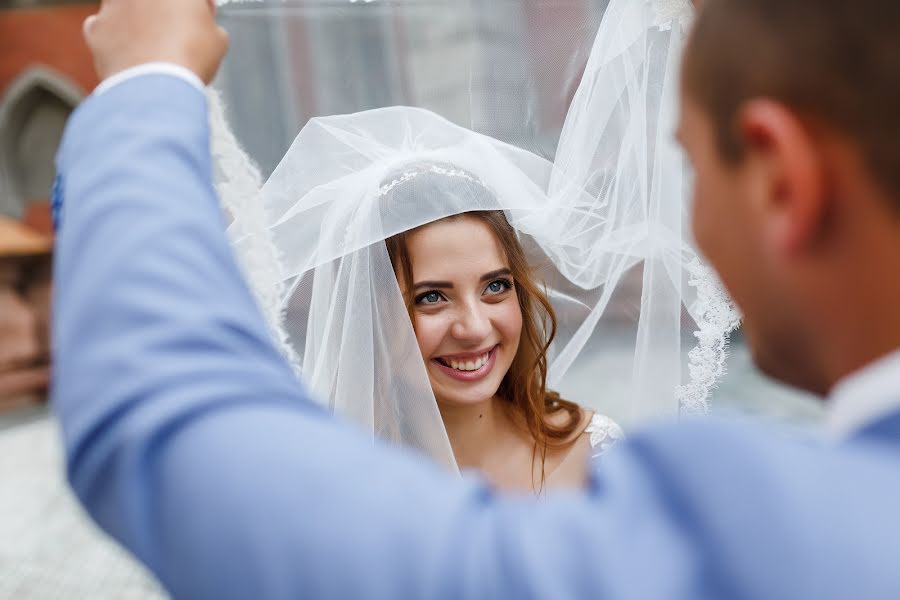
(733, 434)
(714, 455)
(766, 496)
(711, 455)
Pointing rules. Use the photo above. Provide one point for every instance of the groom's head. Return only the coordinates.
(791, 117)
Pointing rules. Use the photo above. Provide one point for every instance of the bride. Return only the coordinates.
(483, 325)
(433, 284)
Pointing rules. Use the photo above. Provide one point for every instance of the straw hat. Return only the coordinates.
(18, 240)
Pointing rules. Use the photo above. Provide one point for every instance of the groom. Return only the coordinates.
(189, 440)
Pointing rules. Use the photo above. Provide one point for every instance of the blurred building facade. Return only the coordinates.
(45, 71)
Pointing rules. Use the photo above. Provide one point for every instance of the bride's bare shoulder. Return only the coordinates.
(594, 425)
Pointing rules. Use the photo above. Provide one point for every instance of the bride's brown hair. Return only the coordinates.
(524, 387)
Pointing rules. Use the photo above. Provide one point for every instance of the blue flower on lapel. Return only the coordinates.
(56, 202)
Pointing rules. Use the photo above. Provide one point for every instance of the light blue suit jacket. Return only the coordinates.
(190, 441)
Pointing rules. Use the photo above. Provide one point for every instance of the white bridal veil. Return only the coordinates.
(643, 324)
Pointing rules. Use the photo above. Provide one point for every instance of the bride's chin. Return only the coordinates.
(454, 393)
(462, 400)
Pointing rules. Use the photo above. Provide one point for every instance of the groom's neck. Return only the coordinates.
(855, 308)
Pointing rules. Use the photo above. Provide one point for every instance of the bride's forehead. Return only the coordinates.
(454, 242)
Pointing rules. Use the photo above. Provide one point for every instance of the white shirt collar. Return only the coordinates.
(864, 396)
(152, 68)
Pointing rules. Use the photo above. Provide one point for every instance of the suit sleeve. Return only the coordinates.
(190, 441)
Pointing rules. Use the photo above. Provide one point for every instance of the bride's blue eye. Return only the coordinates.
(429, 298)
(498, 287)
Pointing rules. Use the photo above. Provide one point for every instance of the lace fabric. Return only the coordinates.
(668, 12)
(604, 434)
(718, 318)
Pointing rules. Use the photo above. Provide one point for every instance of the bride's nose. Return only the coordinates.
(472, 324)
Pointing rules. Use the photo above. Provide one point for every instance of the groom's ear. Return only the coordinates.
(788, 176)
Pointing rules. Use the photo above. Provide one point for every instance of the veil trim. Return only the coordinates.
(717, 318)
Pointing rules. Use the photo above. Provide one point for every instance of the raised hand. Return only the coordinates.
(127, 33)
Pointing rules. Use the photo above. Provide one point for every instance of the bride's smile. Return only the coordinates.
(468, 367)
(467, 317)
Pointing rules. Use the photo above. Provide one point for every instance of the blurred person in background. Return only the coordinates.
(24, 313)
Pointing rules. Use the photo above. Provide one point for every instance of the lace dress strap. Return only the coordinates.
(604, 433)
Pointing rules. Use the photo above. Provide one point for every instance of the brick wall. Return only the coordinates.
(46, 36)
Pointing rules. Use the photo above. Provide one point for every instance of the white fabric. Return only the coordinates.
(863, 397)
(604, 433)
(605, 228)
(152, 68)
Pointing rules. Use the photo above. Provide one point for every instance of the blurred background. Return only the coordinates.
(506, 68)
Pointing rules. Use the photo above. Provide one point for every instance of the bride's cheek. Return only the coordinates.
(428, 334)
(509, 320)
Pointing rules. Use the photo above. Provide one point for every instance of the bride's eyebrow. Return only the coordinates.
(496, 274)
(446, 285)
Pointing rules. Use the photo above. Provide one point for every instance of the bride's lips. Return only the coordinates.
(470, 375)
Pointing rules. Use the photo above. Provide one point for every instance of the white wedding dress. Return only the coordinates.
(603, 433)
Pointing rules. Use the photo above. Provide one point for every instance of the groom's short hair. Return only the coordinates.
(835, 62)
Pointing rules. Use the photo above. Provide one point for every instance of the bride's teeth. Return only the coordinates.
(468, 365)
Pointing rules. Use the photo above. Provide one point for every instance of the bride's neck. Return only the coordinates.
(475, 430)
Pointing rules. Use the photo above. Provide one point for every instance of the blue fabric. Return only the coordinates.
(189, 440)
(56, 202)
